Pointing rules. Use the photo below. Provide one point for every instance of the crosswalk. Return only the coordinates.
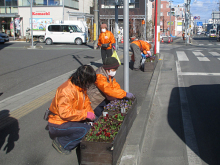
(201, 56)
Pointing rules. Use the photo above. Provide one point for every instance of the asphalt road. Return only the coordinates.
(184, 123)
(28, 81)
(23, 68)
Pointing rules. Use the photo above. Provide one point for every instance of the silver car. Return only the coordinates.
(5, 37)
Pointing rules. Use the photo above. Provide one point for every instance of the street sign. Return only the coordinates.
(199, 23)
(198, 17)
(195, 17)
(189, 26)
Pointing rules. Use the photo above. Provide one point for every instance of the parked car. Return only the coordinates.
(64, 33)
(207, 34)
(5, 37)
(2, 41)
(198, 33)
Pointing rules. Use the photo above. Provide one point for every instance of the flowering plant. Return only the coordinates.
(116, 105)
(107, 127)
(151, 59)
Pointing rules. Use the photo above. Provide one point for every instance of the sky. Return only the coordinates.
(202, 8)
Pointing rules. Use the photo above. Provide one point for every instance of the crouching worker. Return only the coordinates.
(71, 108)
(106, 88)
(138, 47)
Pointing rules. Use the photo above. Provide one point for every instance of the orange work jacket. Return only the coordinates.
(111, 88)
(71, 103)
(145, 45)
(105, 38)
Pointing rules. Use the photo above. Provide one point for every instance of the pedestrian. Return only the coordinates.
(106, 41)
(138, 47)
(106, 88)
(70, 109)
(183, 35)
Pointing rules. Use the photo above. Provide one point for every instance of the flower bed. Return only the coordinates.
(150, 63)
(105, 140)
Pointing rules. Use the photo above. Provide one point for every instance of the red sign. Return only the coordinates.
(44, 13)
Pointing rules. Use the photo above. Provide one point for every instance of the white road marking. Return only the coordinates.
(182, 56)
(198, 74)
(190, 138)
(203, 58)
(218, 58)
(210, 44)
(201, 44)
(214, 53)
(198, 54)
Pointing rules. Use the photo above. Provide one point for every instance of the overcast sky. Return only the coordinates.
(202, 8)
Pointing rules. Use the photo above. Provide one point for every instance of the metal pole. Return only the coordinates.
(63, 12)
(155, 29)
(31, 26)
(126, 45)
(116, 24)
(170, 18)
(145, 26)
(95, 23)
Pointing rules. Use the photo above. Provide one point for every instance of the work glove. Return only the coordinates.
(113, 45)
(129, 95)
(149, 53)
(91, 116)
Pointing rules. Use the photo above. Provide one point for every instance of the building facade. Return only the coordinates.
(136, 16)
(15, 15)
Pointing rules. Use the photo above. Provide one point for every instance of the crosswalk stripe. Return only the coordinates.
(214, 53)
(181, 56)
(203, 59)
(201, 44)
(218, 58)
(198, 54)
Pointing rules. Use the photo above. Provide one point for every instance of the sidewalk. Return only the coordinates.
(142, 84)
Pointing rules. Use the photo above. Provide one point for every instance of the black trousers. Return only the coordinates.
(106, 53)
(98, 110)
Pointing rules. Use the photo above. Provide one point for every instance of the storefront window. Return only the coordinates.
(40, 3)
(54, 2)
(2, 10)
(2, 3)
(11, 10)
(11, 3)
(72, 3)
(23, 3)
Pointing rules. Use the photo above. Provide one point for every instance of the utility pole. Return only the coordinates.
(126, 45)
(96, 24)
(32, 45)
(116, 24)
(170, 17)
(145, 21)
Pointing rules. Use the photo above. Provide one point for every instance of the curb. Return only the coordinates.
(134, 142)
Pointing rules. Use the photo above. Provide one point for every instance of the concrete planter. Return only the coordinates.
(104, 153)
(150, 66)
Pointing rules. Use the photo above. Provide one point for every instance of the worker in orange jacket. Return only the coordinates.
(106, 88)
(137, 47)
(106, 41)
(70, 108)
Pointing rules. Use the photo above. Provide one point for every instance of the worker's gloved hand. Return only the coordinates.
(149, 53)
(113, 45)
(90, 116)
(129, 95)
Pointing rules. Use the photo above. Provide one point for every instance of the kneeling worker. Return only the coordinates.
(70, 109)
(106, 88)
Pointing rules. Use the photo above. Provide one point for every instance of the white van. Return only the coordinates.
(64, 33)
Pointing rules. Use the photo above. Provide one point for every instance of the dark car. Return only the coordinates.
(5, 37)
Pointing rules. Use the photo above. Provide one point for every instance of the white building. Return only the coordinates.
(43, 12)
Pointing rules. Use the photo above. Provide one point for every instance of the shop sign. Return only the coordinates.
(42, 13)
